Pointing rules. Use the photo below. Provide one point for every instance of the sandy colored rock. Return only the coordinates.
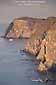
(38, 34)
(47, 54)
(42, 67)
(21, 28)
(42, 38)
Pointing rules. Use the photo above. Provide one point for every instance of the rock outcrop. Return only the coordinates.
(24, 27)
(47, 54)
(38, 34)
(42, 38)
(20, 27)
(42, 44)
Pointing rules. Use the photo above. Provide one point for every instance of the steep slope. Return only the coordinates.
(47, 54)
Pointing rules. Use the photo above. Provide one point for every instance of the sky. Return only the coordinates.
(9, 9)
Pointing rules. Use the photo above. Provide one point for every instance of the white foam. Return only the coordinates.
(10, 39)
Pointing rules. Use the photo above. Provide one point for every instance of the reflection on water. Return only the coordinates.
(18, 68)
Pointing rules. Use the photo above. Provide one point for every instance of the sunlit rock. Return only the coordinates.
(38, 34)
(20, 28)
(47, 54)
(42, 38)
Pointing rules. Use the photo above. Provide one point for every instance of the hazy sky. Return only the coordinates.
(11, 8)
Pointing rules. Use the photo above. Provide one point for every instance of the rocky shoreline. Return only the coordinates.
(41, 35)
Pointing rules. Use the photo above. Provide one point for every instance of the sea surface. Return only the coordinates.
(17, 67)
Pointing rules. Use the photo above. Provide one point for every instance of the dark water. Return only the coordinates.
(17, 68)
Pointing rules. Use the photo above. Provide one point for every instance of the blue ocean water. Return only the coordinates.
(18, 68)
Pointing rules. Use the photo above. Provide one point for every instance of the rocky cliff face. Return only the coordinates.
(42, 38)
(20, 28)
(24, 27)
(47, 54)
(38, 34)
(42, 44)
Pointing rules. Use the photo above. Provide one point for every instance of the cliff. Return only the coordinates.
(39, 31)
(47, 54)
(42, 44)
(33, 44)
(41, 34)
(20, 28)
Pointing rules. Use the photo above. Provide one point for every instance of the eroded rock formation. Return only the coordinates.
(42, 43)
(24, 27)
(38, 34)
(47, 54)
(20, 28)
(42, 38)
